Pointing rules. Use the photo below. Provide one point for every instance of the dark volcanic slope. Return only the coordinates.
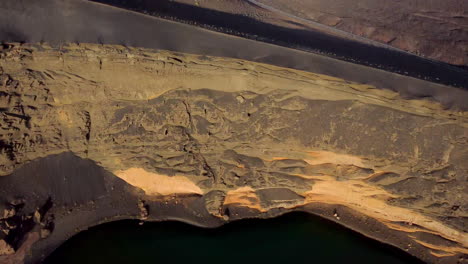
(430, 28)
(303, 38)
(94, 133)
(56, 196)
(78, 21)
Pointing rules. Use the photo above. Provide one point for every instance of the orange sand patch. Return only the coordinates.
(242, 166)
(322, 157)
(441, 255)
(375, 174)
(244, 196)
(407, 229)
(449, 251)
(64, 118)
(371, 201)
(157, 184)
(279, 158)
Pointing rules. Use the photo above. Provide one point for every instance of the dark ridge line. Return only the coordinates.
(391, 60)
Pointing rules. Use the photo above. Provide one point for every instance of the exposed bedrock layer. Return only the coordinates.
(95, 133)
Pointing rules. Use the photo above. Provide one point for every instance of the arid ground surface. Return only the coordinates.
(95, 133)
(431, 28)
(224, 34)
(347, 110)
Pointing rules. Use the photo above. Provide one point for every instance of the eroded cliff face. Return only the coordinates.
(92, 133)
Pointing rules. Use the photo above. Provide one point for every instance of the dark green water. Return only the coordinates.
(293, 238)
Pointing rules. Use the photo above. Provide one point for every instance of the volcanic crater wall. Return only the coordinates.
(94, 133)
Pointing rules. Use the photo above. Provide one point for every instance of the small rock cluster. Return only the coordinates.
(15, 224)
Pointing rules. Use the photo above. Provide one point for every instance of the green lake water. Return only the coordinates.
(292, 238)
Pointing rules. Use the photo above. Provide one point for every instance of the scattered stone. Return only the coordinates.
(5, 248)
(335, 214)
(45, 232)
(37, 216)
(144, 209)
(7, 213)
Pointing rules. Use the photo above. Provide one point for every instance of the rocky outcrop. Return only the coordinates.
(144, 209)
(19, 227)
(110, 132)
(5, 248)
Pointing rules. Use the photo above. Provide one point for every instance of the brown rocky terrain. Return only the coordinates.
(434, 29)
(95, 133)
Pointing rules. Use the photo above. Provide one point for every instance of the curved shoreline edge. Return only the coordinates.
(70, 220)
(257, 140)
(329, 220)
